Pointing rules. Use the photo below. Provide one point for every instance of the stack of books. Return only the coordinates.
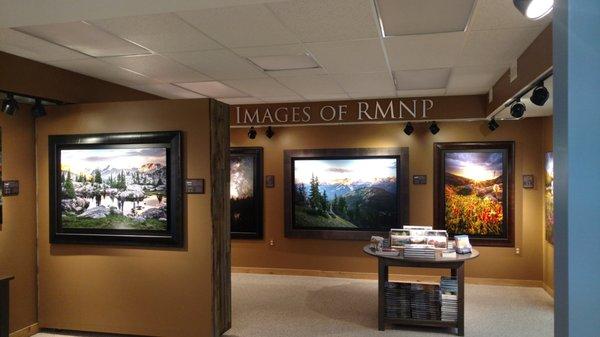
(419, 252)
(397, 300)
(425, 301)
(449, 297)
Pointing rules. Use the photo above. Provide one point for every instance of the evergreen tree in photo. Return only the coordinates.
(325, 205)
(97, 177)
(301, 198)
(69, 189)
(314, 197)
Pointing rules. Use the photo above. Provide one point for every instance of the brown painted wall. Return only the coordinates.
(18, 230)
(156, 292)
(548, 259)
(24, 76)
(347, 255)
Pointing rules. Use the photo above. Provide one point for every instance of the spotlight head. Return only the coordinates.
(38, 110)
(409, 129)
(534, 9)
(493, 125)
(434, 128)
(517, 110)
(10, 105)
(540, 94)
(252, 133)
(269, 133)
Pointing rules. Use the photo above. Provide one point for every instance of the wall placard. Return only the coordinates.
(419, 179)
(270, 181)
(10, 188)
(194, 186)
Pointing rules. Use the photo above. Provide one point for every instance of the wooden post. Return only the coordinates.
(4, 303)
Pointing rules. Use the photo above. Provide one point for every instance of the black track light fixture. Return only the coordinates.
(517, 110)
(10, 105)
(38, 110)
(269, 133)
(252, 133)
(493, 125)
(534, 9)
(409, 129)
(540, 94)
(434, 128)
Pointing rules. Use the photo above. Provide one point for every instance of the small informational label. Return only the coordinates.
(528, 181)
(420, 179)
(194, 186)
(10, 188)
(270, 181)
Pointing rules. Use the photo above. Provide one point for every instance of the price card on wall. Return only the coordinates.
(10, 188)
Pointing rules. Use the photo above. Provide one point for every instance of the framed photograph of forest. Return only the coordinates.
(474, 191)
(118, 189)
(345, 193)
(246, 192)
(549, 198)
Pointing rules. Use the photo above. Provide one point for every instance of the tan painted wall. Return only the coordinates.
(157, 292)
(18, 230)
(347, 255)
(548, 259)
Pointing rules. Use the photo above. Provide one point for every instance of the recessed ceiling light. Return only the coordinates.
(213, 89)
(409, 17)
(534, 9)
(284, 62)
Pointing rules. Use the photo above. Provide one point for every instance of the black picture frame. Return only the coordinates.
(507, 239)
(402, 195)
(173, 236)
(255, 228)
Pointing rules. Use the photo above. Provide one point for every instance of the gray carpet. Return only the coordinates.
(297, 306)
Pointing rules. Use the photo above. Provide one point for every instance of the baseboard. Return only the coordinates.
(549, 290)
(26, 331)
(373, 276)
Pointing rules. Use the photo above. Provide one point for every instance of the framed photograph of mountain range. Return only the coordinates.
(246, 192)
(345, 193)
(474, 191)
(119, 189)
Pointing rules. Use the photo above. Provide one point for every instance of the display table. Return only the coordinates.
(456, 265)
(4, 296)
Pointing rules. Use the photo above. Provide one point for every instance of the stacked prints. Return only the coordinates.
(419, 252)
(397, 300)
(449, 291)
(425, 301)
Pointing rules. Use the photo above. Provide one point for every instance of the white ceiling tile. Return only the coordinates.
(297, 72)
(260, 87)
(158, 67)
(423, 79)
(289, 99)
(500, 47)
(85, 38)
(20, 44)
(407, 17)
(212, 89)
(370, 95)
(240, 26)
(327, 97)
(421, 93)
(466, 91)
(366, 82)
(482, 77)
(284, 49)
(332, 20)
(349, 56)
(167, 91)
(102, 70)
(312, 85)
(494, 14)
(241, 100)
(424, 51)
(219, 64)
(160, 33)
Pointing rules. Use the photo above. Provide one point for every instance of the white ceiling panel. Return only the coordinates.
(102, 70)
(495, 14)
(331, 20)
(466, 91)
(327, 97)
(213, 89)
(421, 93)
(160, 33)
(219, 64)
(241, 100)
(475, 77)
(241, 26)
(366, 82)
(85, 38)
(284, 99)
(167, 91)
(422, 79)
(20, 44)
(500, 47)
(284, 49)
(408, 17)
(261, 87)
(158, 67)
(424, 51)
(312, 85)
(349, 56)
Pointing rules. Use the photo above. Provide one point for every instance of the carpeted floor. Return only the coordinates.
(297, 306)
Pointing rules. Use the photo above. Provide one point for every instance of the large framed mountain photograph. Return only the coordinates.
(122, 189)
(246, 192)
(474, 191)
(345, 193)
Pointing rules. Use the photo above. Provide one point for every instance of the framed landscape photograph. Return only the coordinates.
(119, 189)
(246, 192)
(549, 198)
(474, 191)
(345, 193)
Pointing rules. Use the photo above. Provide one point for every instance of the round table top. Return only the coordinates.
(459, 257)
